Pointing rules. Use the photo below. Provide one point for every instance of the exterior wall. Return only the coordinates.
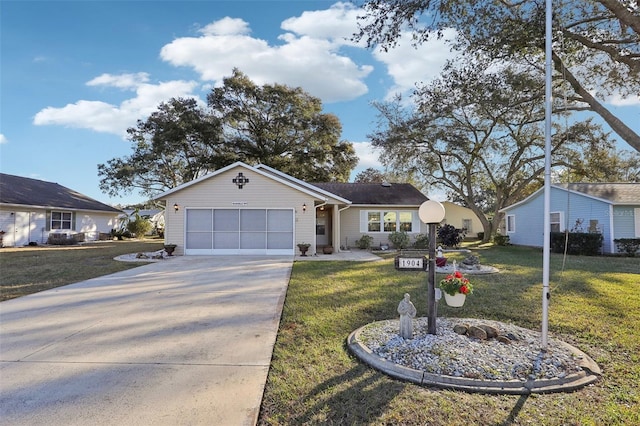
(626, 223)
(455, 215)
(220, 192)
(529, 217)
(350, 226)
(22, 226)
(94, 223)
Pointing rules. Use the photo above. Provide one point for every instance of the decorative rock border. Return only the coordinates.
(154, 256)
(589, 374)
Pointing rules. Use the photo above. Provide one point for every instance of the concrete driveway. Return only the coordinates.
(186, 341)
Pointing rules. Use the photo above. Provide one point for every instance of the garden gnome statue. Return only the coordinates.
(455, 266)
(407, 311)
(439, 252)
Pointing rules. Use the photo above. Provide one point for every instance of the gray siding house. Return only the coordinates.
(612, 209)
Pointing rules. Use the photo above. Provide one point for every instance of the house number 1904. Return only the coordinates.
(410, 263)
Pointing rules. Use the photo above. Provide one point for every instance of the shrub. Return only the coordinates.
(400, 239)
(422, 241)
(139, 227)
(450, 235)
(630, 246)
(56, 239)
(580, 243)
(501, 240)
(481, 235)
(364, 242)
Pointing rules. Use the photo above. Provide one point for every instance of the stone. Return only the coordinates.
(461, 328)
(503, 339)
(141, 256)
(477, 332)
(491, 331)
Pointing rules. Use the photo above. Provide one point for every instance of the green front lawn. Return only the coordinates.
(595, 306)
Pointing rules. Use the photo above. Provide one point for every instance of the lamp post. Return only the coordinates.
(431, 212)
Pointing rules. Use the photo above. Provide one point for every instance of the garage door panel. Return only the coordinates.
(239, 231)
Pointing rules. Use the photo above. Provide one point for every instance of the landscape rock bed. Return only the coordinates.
(451, 354)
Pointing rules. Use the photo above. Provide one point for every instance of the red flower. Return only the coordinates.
(458, 274)
(464, 289)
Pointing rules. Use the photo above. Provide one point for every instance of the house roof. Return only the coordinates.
(375, 193)
(616, 193)
(17, 190)
(612, 193)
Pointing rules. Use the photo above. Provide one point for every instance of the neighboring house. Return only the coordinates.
(241, 209)
(31, 209)
(462, 218)
(612, 209)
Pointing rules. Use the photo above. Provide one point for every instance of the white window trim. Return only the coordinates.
(364, 221)
(636, 218)
(61, 220)
(511, 230)
(560, 220)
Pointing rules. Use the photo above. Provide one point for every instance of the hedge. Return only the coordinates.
(580, 243)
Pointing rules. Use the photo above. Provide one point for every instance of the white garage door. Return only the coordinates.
(239, 231)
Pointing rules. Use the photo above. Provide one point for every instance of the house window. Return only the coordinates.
(373, 221)
(389, 221)
(511, 223)
(555, 219)
(406, 221)
(390, 224)
(593, 226)
(61, 220)
(466, 225)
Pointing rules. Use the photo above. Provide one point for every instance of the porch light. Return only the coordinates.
(304, 208)
(176, 207)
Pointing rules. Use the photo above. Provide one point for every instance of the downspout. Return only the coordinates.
(611, 236)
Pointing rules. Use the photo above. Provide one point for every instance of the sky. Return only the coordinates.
(74, 75)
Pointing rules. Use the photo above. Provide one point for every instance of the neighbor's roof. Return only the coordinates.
(616, 193)
(19, 190)
(403, 194)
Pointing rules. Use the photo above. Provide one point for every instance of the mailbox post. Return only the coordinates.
(431, 212)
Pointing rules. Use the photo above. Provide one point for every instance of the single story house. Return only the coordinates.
(612, 209)
(243, 209)
(462, 218)
(31, 209)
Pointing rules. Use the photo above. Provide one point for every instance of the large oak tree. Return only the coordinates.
(596, 46)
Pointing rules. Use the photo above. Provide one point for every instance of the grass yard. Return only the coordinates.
(595, 306)
(26, 270)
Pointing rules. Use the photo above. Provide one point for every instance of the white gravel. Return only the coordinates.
(451, 354)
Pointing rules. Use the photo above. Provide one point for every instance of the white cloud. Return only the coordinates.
(104, 117)
(368, 156)
(3, 139)
(618, 101)
(408, 65)
(308, 56)
(122, 81)
(338, 23)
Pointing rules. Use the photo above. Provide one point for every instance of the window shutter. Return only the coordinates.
(636, 214)
(363, 221)
(73, 221)
(48, 225)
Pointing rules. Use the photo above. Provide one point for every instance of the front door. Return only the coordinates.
(22, 229)
(322, 227)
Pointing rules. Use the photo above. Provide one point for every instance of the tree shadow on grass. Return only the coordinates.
(513, 415)
(360, 387)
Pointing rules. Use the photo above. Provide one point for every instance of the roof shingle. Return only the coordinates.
(375, 193)
(33, 192)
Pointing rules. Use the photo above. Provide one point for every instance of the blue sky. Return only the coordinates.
(76, 74)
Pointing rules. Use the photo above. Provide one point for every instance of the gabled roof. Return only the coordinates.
(616, 193)
(612, 193)
(286, 182)
(17, 190)
(403, 194)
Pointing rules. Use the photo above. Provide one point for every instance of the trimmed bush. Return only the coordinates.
(630, 246)
(580, 243)
(501, 240)
(399, 240)
(480, 235)
(364, 242)
(421, 242)
(450, 235)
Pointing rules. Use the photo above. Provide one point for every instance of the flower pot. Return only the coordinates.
(169, 248)
(303, 249)
(327, 249)
(456, 300)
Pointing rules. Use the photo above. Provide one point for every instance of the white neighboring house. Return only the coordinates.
(31, 209)
(462, 218)
(612, 209)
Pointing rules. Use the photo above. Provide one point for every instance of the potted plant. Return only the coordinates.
(456, 287)
(169, 248)
(304, 247)
(327, 249)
